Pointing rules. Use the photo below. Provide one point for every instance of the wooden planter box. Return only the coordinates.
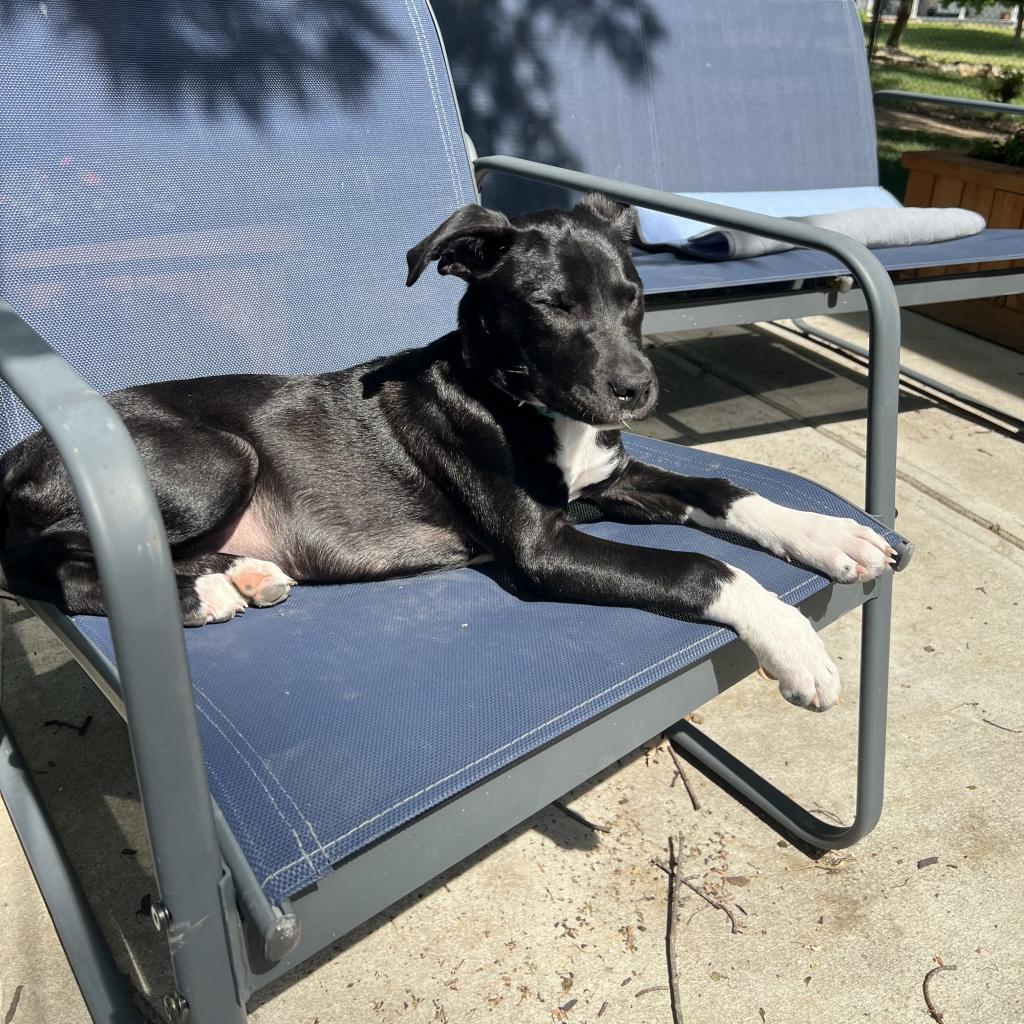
(996, 191)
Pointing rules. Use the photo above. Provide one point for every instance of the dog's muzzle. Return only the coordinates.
(635, 393)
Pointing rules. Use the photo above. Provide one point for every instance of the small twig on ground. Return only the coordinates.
(13, 1008)
(670, 928)
(713, 902)
(653, 988)
(694, 914)
(682, 775)
(576, 816)
(604, 1006)
(1005, 728)
(80, 729)
(934, 1012)
(817, 808)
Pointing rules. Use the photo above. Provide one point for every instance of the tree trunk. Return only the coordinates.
(899, 26)
(1020, 23)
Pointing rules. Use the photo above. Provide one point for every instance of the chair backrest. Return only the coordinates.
(683, 95)
(222, 186)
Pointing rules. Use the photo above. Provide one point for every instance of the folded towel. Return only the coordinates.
(657, 229)
(877, 228)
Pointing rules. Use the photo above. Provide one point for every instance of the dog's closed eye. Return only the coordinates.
(626, 295)
(559, 302)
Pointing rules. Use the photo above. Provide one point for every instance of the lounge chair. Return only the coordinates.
(735, 103)
(233, 187)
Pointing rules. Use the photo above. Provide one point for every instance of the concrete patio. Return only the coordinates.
(558, 922)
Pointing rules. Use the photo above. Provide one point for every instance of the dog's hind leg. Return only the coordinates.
(56, 567)
(216, 587)
(60, 568)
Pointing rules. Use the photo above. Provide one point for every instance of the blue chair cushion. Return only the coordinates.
(336, 717)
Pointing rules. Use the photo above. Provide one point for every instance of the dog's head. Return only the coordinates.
(554, 305)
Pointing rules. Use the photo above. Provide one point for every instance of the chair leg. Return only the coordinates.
(796, 820)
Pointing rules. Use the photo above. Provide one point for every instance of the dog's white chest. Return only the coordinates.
(580, 456)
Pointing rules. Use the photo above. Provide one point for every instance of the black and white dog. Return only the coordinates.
(471, 446)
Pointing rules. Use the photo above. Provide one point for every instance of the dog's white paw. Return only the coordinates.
(841, 549)
(792, 653)
(261, 583)
(218, 599)
(783, 641)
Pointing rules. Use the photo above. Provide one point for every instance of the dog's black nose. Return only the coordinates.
(631, 393)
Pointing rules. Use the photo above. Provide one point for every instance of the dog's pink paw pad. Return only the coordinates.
(261, 583)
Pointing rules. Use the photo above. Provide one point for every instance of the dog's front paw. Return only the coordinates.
(841, 549)
(790, 651)
(783, 641)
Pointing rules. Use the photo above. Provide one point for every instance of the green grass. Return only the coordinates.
(894, 142)
(976, 44)
(945, 42)
(910, 79)
(956, 41)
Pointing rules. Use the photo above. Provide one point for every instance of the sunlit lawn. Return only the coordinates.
(976, 44)
(940, 42)
(894, 142)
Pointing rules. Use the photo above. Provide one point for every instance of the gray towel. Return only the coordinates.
(877, 228)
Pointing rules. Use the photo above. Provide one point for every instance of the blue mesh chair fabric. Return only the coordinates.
(195, 189)
(333, 719)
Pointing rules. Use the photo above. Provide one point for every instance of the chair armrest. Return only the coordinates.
(879, 294)
(949, 101)
(141, 596)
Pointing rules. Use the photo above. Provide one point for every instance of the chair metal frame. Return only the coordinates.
(225, 939)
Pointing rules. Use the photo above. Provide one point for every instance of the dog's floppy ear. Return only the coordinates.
(620, 217)
(467, 244)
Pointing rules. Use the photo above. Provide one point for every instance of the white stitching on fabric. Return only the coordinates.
(519, 739)
(298, 841)
(652, 122)
(435, 88)
(421, 42)
(266, 767)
